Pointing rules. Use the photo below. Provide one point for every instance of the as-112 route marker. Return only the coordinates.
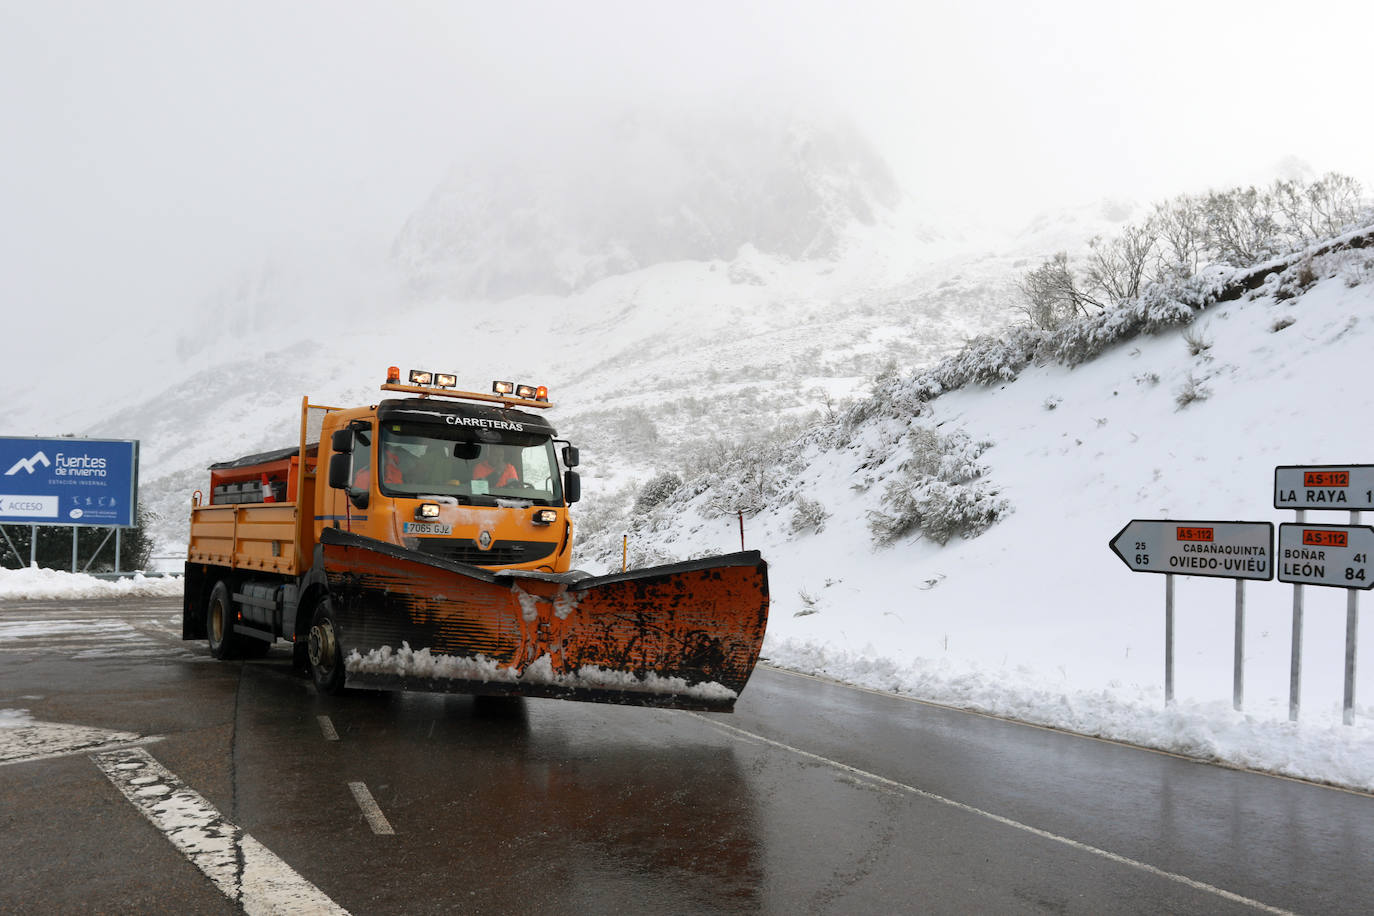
(1226, 550)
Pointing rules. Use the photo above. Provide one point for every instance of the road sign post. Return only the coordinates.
(1228, 550)
(1326, 487)
(1335, 556)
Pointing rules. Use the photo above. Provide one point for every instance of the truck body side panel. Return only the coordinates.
(253, 537)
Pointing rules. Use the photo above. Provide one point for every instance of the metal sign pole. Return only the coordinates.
(117, 532)
(1169, 639)
(1238, 681)
(1352, 625)
(1295, 665)
(33, 545)
(74, 530)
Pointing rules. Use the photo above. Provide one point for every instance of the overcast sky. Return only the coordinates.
(150, 148)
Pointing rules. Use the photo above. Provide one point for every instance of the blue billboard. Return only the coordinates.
(68, 482)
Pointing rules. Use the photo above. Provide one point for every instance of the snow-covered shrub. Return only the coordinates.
(937, 491)
(1196, 341)
(1191, 390)
(1282, 322)
(808, 516)
(746, 476)
(655, 491)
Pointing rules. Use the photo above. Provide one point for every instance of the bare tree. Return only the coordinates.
(1116, 268)
(1183, 235)
(1242, 227)
(1053, 295)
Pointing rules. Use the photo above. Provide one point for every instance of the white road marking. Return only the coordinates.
(247, 872)
(371, 810)
(997, 818)
(24, 739)
(327, 728)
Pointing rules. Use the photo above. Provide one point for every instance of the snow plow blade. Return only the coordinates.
(684, 636)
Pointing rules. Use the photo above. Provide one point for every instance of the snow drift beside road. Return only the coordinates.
(51, 584)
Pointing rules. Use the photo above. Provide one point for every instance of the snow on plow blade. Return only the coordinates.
(685, 636)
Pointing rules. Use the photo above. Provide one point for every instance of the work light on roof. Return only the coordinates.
(525, 391)
(503, 387)
(421, 378)
(445, 380)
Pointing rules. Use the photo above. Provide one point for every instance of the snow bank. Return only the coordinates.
(52, 584)
(1319, 747)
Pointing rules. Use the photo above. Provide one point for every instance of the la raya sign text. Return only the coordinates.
(1324, 486)
(68, 482)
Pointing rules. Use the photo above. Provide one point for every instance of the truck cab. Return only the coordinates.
(468, 482)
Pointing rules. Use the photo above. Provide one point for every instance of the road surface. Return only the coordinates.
(137, 774)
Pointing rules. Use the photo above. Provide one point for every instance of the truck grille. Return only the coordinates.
(502, 553)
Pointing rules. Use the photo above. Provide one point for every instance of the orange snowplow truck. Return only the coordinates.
(434, 553)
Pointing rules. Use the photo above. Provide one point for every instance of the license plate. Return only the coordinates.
(427, 528)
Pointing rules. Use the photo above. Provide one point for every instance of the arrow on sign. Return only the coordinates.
(1227, 550)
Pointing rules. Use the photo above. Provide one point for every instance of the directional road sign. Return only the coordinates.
(1336, 555)
(68, 481)
(1227, 550)
(1324, 486)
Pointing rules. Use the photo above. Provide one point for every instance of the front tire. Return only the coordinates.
(219, 622)
(325, 656)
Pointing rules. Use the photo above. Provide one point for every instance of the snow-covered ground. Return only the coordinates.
(1037, 619)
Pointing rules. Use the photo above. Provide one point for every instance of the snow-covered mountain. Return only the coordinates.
(776, 270)
(650, 187)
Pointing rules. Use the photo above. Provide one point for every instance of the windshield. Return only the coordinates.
(475, 466)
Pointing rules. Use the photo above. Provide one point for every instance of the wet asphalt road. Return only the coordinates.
(811, 798)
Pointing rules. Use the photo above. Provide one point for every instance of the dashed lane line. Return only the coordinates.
(327, 728)
(371, 810)
(997, 818)
(244, 870)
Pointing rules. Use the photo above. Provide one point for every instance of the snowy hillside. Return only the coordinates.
(1037, 618)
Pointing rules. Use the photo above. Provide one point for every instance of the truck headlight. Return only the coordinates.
(545, 517)
(427, 510)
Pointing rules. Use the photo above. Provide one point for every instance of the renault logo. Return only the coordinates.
(484, 540)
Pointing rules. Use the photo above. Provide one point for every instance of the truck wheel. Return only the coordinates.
(326, 659)
(219, 622)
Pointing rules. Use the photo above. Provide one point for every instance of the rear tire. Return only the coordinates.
(219, 622)
(325, 657)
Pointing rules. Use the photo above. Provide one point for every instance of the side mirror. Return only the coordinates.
(338, 468)
(570, 456)
(572, 487)
(342, 442)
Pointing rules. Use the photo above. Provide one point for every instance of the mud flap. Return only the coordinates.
(685, 636)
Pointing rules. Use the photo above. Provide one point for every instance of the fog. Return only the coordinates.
(154, 151)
